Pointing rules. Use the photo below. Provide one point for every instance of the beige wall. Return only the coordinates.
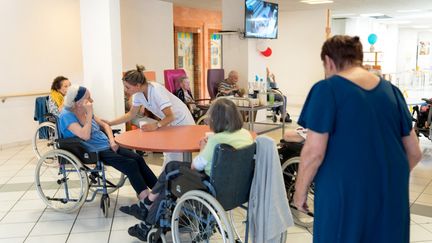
(296, 54)
(39, 40)
(147, 35)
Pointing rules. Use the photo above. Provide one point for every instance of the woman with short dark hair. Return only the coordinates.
(59, 88)
(359, 151)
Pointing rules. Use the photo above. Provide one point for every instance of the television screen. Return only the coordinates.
(261, 19)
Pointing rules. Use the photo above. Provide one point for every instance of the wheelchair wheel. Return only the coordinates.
(290, 172)
(198, 217)
(61, 183)
(114, 180)
(153, 235)
(44, 139)
(202, 120)
(105, 204)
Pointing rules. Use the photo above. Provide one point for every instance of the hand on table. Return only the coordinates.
(149, 127)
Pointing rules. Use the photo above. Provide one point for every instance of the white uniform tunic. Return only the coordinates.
(159, 98)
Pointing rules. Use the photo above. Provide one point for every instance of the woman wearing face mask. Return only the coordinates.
(77, 120)
(157, 99)
(59, 88)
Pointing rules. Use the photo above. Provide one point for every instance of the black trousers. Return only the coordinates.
(132, 165)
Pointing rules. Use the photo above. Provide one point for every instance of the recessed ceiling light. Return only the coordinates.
(409, 11)
(421, 26)
(316, 1)
(371, 14)
(343, 15)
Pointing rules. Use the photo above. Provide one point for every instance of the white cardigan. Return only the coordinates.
(269, 211)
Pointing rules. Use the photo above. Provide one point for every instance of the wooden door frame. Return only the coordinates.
(197, 55)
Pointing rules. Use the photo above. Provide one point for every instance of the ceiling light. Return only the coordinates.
(316, 1)
(409, 11)
(421, 26)
(343, 15)
(371, 15)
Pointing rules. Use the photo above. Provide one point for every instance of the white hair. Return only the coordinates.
(70, 96)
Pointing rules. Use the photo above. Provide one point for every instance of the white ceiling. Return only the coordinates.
(354, 8)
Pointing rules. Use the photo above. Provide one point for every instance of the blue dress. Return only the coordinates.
(361, 188)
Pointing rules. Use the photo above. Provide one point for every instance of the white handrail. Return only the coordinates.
(3, 98)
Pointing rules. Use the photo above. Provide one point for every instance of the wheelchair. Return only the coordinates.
(195, 206)
(44, 138)
(422, 116)
(65, 175)
(289, 155)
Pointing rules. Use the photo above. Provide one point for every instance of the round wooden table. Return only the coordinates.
(184, 139)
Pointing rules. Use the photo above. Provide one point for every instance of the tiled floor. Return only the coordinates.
(24, 218)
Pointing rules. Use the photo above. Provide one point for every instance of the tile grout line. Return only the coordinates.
(113, 216)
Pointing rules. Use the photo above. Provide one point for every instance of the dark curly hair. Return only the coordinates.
(57, 83)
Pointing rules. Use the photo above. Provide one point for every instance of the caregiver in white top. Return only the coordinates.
(157, 99)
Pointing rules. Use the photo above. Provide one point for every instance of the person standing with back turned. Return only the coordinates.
(360, 163)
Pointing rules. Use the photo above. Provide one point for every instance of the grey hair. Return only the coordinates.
(224, 116)
(70, 96)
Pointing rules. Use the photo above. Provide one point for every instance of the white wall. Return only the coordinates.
(39, 40)
(296, 54)
(147, 35)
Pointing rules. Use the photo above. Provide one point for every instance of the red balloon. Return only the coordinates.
(267, 52)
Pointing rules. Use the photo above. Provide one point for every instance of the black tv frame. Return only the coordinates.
(258, 37)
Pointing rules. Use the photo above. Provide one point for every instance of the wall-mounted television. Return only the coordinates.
(261, 19)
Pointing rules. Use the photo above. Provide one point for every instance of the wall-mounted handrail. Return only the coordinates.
(3, 98)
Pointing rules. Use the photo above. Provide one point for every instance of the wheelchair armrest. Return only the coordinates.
(76, 147)
(116, 131)
(50, 117)
(187, 180)
(192, 173)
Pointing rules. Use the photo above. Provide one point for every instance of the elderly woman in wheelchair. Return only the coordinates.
(226, 122)
(77, 121)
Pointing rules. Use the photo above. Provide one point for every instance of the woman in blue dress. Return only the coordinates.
(359, 152)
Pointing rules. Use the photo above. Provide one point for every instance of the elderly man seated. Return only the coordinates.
(229, 85)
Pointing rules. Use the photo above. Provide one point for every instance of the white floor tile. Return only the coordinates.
(123, 223)
(122, 236)
(425, 198)
(419, 233)
(22, 217)
(15, 230)
(22, 205)
(94, 212)
(13, 240)
(7, 205)
(51, 215)
(419, 219)
(21, 179)
(89, 237)
(10, 196)
(92, 225)
(299, 238)
(31, 195)
(52, 228)
(47, 239)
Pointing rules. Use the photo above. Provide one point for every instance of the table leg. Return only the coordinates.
(187, 157)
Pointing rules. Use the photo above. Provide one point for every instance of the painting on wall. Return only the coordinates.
(216, 51)
(424, 48)
(185, 57)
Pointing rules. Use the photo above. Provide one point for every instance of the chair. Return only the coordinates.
(214, 76)
(200, 202)
(171, 75)
(150, 75)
